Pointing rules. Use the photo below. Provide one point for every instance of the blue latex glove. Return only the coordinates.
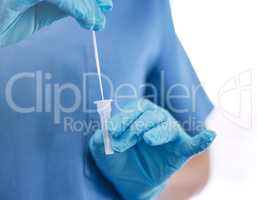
(150, 147)
(21, 18)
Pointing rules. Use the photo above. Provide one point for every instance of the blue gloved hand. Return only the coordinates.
(21, 18)
(150, 147)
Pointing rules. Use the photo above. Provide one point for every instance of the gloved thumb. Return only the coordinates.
(88, 13)
(201, 142)
(96, 143)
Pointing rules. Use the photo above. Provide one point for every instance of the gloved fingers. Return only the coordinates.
(128, 114)
(96, 143)
(166, 132)
(162, 134)
(46, 14)
(136, 118)
(96, 19)
(147, 121)
(105, 5)
(120, 123)
(86, 12)
(96, 147)
(200, 142)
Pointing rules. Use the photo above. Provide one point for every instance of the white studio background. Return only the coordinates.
(220, 37)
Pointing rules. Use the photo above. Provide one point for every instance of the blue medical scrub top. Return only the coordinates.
(44, 157)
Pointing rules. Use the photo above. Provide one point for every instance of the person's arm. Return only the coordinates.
(186, 99)
(194, 176)
(190, 180)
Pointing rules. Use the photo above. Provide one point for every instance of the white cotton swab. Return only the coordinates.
(104, 106)
(98, 68)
